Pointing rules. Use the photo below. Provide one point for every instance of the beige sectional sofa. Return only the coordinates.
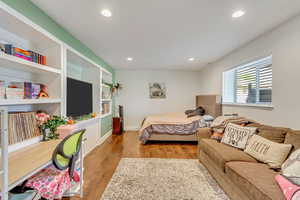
(240, 175)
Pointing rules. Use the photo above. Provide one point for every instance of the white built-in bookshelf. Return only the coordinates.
(21, 33)
(106, 94)
(62, 61)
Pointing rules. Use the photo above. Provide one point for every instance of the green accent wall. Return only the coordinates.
(35, 14)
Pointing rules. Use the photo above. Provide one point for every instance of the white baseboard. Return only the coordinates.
(132, 128)
(104, 137)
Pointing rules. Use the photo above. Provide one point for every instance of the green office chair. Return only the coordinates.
(67, 152)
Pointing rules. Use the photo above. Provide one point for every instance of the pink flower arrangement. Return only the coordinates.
(42, 118)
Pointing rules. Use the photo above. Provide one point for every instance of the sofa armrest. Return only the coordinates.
(204, 133)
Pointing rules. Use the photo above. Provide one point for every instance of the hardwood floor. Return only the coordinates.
(101, 163)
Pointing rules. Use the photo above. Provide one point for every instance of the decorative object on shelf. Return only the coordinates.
(49, 127)
(157, 90)
(114, 88)
(43, 93)
(42, 118)
(70, 122)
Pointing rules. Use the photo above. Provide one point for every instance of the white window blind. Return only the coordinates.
(249, 84)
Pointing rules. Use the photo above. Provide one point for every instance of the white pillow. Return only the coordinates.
(291, 167)
(237, 136)
(266, 151)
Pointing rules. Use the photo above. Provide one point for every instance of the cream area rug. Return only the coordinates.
(162, 179)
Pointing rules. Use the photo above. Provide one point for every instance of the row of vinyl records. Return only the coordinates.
(22, 126)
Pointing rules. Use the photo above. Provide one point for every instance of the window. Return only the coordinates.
(249, 84)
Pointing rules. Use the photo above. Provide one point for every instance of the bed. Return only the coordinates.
(177, 126)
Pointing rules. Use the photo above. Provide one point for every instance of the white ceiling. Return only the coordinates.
(163, 34)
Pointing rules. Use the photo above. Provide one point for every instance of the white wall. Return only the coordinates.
(284, 44)
(182, 88)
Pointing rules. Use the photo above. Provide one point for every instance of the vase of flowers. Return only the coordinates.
(42, 118)
(48, 125)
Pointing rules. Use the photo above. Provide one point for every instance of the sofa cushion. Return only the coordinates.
(293, 138)
(255, 179)
(222, 153)
(291, 166)
(257, 125)
(275, 134)
(237, 136)
(264, 150)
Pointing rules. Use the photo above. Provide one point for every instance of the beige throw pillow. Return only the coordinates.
(237, 136)
(291, 167)
(266, 151)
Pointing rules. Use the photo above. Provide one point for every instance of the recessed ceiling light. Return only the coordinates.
(106, 13)
(191, 59)
(130, 59)
(238, 13)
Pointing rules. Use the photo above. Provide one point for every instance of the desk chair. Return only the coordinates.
(53, 181)
(67, 152)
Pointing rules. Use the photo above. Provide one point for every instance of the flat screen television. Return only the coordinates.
(79, 98)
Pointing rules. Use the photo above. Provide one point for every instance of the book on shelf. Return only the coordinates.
(38, 58)
(15, 90)
(22, 126)
(23, 54)
(22, 90)
(35, 90)
(14, 93)
(8, 49)
(27, 90)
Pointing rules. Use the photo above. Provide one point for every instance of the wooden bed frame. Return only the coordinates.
(212, 106)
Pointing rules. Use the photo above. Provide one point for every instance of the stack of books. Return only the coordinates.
(23, 54)
(38, 58)
(20, 90)
(15, 90)
(22, 126)
(31, 90)
(14, 93)
(26, 55)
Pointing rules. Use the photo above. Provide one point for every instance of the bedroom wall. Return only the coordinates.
(182, 88)
(284, 44)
